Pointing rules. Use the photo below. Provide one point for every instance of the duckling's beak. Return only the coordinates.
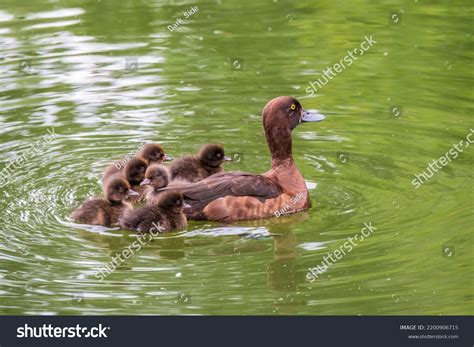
(145, 182)
(167, 158)
(311, 116)
(132, 193)
(186, 205)
(227, 158)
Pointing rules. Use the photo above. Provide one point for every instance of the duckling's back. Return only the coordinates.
(188, 169)
(99, 212)
(93, 212)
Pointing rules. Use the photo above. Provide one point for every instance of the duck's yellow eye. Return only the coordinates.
(293, 106)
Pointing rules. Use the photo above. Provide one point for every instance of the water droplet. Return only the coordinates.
(183, 298)
(236, 64)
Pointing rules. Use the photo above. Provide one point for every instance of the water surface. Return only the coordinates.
(105, 77)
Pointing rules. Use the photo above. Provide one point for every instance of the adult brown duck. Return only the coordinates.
(231, 196)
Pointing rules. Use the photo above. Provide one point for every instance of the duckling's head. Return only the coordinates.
(153, 153)
(157, 176)
(134, 171)
(117, 189)
(171, 201)
(212, 155)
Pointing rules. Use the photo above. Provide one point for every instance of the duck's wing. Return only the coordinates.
(228, 183)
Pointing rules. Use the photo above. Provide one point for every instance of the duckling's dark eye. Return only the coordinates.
(178, 202)
(219, 155)
(142, 169)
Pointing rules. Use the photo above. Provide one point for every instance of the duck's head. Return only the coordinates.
(117, 189)
(135, 169)
(171, 201)
(157, 176)
(280, 116)
(287, 112)
(153, 153)
(212, 155)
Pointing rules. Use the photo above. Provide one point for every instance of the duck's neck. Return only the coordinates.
(284, 169)
(279, 143)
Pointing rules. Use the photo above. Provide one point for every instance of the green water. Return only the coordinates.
(107, 76)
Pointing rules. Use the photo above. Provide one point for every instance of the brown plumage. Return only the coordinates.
(166, 215)
(230, 196)
(153, 154)
(156, 177)
(133, 172)
(106, 211)
(193, 168)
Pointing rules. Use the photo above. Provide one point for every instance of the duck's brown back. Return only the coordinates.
(250, 190)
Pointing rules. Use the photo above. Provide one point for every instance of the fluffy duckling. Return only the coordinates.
(156, 177)
(153, 154)
(194, 168)
(166, 215)
(133, 172)
(106, 211)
